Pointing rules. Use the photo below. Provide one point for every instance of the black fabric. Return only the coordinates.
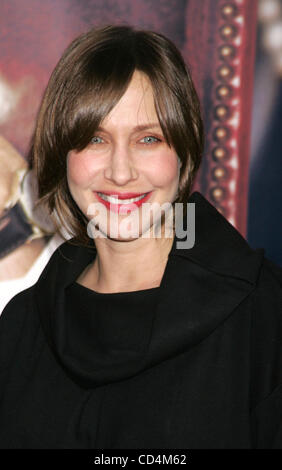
(194, 363)
(104, 337)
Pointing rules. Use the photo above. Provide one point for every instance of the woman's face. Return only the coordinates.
(128, 154)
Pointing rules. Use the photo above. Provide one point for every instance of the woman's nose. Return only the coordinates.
(121, 167)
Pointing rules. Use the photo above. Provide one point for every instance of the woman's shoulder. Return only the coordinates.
(20, 316)
(266, 360)
(267, 300)
(17, 308)
(266, 335)
(19, 324)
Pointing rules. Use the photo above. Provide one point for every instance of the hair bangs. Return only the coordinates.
(100, 84)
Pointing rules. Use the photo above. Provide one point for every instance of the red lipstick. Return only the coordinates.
(123, 207)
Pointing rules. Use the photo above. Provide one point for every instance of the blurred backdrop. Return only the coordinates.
(234, 50)
(265, 181)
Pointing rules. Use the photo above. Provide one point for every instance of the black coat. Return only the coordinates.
(195, 363)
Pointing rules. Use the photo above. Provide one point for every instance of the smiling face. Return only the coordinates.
(128, 154)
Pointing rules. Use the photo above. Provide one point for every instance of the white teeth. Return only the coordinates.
(114, 200)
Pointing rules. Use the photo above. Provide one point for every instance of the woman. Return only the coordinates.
(129, 339)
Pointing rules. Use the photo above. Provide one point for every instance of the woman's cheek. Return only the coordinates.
(77, 169)
(166, 168)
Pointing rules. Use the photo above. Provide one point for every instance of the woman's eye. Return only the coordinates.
(96, 140)
(150, 139)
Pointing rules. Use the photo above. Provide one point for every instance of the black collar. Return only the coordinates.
(219, 247)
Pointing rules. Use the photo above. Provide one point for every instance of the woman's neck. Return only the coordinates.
(127, 266)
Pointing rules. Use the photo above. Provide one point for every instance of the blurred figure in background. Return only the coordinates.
(27, 237)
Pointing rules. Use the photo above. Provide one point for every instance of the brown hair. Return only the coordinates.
(88, 81)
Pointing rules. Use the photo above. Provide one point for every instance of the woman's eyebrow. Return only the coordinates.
(146, 126)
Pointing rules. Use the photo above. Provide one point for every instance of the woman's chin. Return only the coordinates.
(122, 231)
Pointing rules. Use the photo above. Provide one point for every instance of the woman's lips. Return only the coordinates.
(120, 208)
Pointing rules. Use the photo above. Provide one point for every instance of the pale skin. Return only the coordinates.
(16, 264)
(126, 158)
